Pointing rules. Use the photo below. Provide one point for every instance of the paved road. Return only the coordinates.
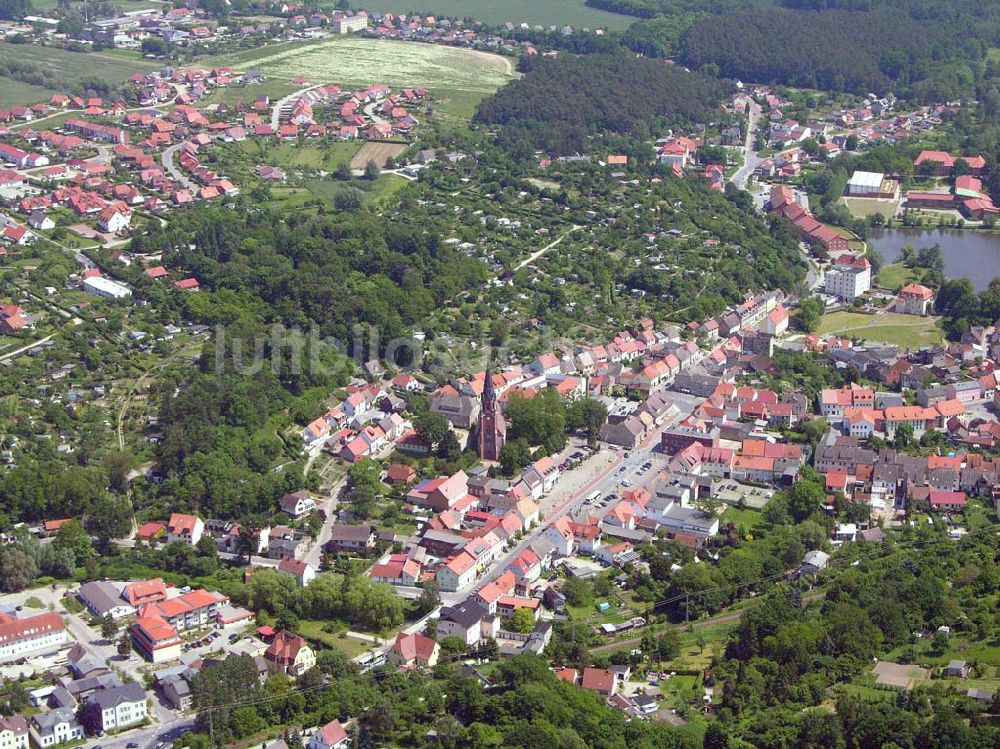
(287, 101)
(173, 171)
(751, 159)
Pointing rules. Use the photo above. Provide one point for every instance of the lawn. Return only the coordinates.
(546, 13)
(892, 328)
(897, 275)
(349, 646)
(865, 207)
(34, 603)
(72, 68)
(745, 519)
(458, 78)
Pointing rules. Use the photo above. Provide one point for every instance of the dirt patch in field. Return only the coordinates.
(900, 675)
(380, 153)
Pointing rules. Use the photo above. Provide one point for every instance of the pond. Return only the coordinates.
(967, 254)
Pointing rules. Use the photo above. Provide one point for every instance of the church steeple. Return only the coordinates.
(491, 431)
(489, 393)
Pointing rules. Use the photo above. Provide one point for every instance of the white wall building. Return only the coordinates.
(106, 288)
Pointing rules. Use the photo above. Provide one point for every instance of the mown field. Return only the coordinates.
(543, 12)
(865, 207)
(458, 78)
(892, 328)
(70, 68)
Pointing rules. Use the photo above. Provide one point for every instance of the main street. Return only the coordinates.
(751, 160)
(621, 465)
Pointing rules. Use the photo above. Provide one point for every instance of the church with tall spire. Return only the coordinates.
(491, 431)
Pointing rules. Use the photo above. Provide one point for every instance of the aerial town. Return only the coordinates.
(594, 376)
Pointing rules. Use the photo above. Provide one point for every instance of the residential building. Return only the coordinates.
(155, 639)
(54, 727)
(303, 572)
(350, 538)
(185, 528)
(13, 732)
(915, 299)
(414, 651)
(330, 736)
(33, 634)
(297, 504)
(121, 706)
(289, 654)
(604, 681)
(457, 573)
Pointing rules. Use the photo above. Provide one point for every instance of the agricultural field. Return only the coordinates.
(900, 330)
(457, 78)
(380, 153)
(69, 68)
(546, 13)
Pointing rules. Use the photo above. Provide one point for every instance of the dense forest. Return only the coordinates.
(835, 50)
(559, 101)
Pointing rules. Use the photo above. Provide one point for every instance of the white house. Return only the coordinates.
(297, 504)
(39, 220)
(55, 727)
(303, 572)
(185, 528)
(560, 533)
(113, 220)
(458, 573)
(330, 736)
(121, 706)
(13, 732)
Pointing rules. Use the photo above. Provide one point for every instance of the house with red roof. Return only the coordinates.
(289, 654)
(303, 572)
(604, 681)
(330, 736)
(185, 528)
(414, 651)
(915, 299)
(458, 572)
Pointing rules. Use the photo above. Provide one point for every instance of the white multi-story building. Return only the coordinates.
(850, 277)
(121, 707)
(55, 727)
(21, 637)
(357, 22)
